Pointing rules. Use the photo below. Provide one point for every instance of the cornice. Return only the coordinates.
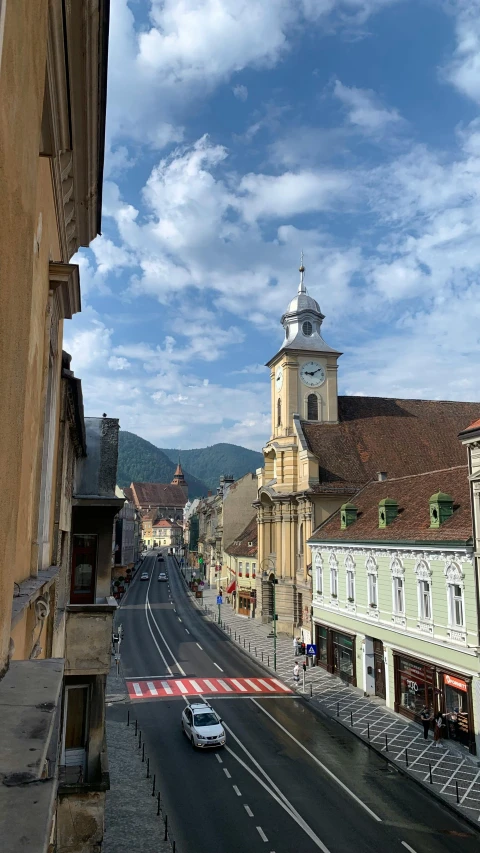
(64, 280)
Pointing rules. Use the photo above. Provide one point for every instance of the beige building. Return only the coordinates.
(167, 533)
(53, 66)
(240, 559)
(324, 447)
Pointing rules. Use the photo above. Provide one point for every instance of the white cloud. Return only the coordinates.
(464, 69)
(240, 92)
(116, 363)
(364, 108)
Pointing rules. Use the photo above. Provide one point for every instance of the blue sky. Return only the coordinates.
(240, 133)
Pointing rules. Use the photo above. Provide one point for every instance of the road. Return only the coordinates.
(287, 778)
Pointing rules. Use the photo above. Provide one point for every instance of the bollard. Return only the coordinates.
(136, 726)
(173, 847)
(244, 642)
(139, 738)
(262, 655)
(311, 691)
(235, 635)
(368, 730)
(386, 743)
(338, 709)
(456, 789)
(143, 753)
(351, 718)
(249, 645)
(158, 803)
(430, 772)
(148, 768)
(268, 660)
(128, 718)
(406, 757)
(255, 651)
(153, 785)
(166, 827)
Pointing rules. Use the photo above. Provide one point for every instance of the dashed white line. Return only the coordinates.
(225, 686)
(187, 630)
(218, 758)
(138, 689)
(240, 686)
(181, 687)
(218, 667)
(227, 774)
(210, 685)
(237, 791)
(199, 646)
(178, 617)
(166, 687)
(152, 688)
(408, 847)
(248, 810)
(261, 833)
(196, 686)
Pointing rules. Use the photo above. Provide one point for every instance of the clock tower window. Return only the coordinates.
(307, 329)
(312, 407)
(279, 412)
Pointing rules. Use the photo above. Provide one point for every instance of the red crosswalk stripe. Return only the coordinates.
(168, 688)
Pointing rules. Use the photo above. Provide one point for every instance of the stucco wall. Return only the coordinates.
(80, 822)
(237, 507)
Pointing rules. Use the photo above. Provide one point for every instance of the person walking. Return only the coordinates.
(426, 718)
(437, 731)
(296, 673)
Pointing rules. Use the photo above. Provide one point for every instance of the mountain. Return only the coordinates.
(208, 463)
(140, 461)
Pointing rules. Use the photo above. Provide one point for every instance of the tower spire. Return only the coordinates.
(301, 286)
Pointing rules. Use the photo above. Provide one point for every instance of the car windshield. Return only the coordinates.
(205, 720)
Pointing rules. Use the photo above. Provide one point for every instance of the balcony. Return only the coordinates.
(29, 749)
(88, 638)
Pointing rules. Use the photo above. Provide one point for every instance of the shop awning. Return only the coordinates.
(231, 587)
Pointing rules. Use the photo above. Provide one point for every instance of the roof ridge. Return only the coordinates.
(422, 474)
(408, 399)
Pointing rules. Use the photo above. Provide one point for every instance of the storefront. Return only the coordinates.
(244, 599)
(336, 652)
(418, 683)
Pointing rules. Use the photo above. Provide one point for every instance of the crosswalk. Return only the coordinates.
(168, 687)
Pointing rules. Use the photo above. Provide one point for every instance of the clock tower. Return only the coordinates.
(303, 390)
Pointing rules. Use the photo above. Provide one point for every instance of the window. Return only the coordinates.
(307, 328)
(84, 569)
(254, 569)
(350, 585)
(247, 570)
(319, 573)
(240, 568)
(425, 599)
(312, 407)
(334, 581)
(455, 592)
(372, 590)
(279, 412)
(75, 733)
(398, 598)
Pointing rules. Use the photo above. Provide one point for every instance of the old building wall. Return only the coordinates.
(80, 821)
(237, 507)
(21, 104)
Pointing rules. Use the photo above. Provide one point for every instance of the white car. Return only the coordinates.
(144, 576)
(202, 726)
(162, 576)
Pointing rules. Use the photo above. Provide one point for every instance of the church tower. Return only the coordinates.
(179, 478)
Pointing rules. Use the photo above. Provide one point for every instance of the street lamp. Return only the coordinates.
(274, 582)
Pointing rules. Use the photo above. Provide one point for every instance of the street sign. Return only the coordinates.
(219, 599)
(200, 560)
(311, 650)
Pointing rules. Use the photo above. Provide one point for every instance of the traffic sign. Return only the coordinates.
(219, 599)
(311, 650)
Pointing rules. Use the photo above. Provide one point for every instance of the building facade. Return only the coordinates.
(124, 536)
(154, 501)
(394, 605)
(168, 534)
(240, 559)
(324, 447)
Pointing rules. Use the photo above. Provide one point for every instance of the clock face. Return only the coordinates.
(279, 378)
(312, 374)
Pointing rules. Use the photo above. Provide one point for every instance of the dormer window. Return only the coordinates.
(307, 328)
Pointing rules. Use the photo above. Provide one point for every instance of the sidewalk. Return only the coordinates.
(390, 734)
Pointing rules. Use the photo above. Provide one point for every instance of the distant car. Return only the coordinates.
(144, 576)
(160, 558)
(162, 576)
(202, 726)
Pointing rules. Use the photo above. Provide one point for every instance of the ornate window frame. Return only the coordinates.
(318, 561)
(371, 567)
(455, 577)
(397, 571)
(333, 566)
(423, 574)
(350, 569)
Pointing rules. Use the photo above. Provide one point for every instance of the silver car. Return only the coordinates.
(202, 726)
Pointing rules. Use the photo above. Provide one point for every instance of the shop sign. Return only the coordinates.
(412, 685)
(457, 683)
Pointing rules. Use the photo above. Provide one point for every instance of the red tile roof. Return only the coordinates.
(128, 494)
(159, 494)
(240, 547)
(475, 425)
(413, 520)
(164, 522)
(400, 437)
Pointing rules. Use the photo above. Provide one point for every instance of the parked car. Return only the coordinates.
(144, 576)
(202, 726)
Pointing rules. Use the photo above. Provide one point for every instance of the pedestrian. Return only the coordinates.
(296, 673)
(295, 646)
(437, 731)
(426, 717)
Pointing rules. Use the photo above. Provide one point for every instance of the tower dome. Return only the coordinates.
(302, 321)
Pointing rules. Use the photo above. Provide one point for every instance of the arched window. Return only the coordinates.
(279, 412)
(307, 328)
(312, 407)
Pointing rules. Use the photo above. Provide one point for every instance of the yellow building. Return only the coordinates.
(240, 558)
(323, 448)
(167, 533)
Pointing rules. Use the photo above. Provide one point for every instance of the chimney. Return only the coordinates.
(381, 476)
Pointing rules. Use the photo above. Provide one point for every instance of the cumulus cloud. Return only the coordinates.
(365, 110)
(240, 92)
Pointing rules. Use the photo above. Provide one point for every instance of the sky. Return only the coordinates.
(240, 133)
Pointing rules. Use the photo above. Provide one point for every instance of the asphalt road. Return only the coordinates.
(288, 778)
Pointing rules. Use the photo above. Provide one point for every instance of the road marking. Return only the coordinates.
(225, 686)
(218, 758)
(210, 685)
(166, 687)
(281, 800)
(196, 686)
(408, 847)
(152, 688)
(181, 687)
(261, 833)
(147, 604)
(199, 646)
(187, 630)
(320, 764)
(227, 774)
(218, 667)
(268, 686)
(238, 793)
(281, 686)
(138, 689)
(252, 684)
(178, 617)
(248, 810)
(237, 684)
